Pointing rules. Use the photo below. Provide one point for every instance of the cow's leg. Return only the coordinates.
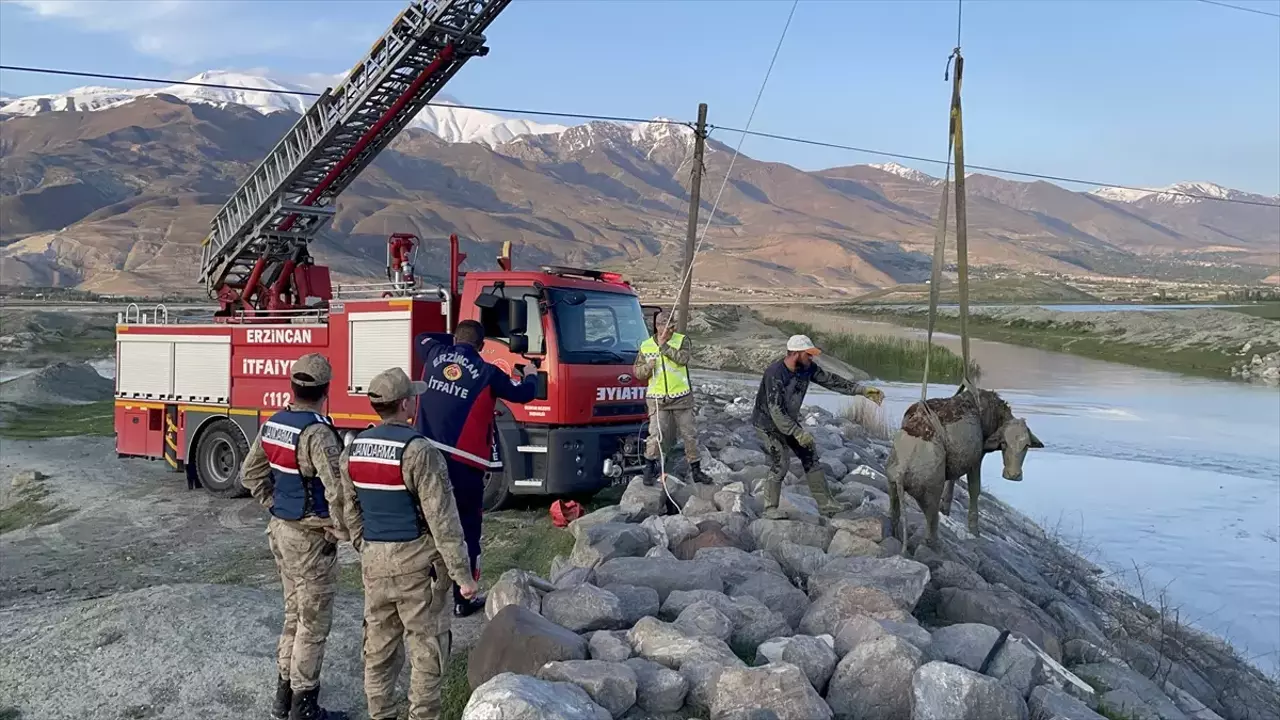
(948, 494)
(974, 479)
(931, 524)
(897, 522)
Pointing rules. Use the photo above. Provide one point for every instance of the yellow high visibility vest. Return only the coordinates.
(669, 379)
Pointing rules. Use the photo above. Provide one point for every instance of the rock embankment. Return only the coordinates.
(61, 383)
(713, 612)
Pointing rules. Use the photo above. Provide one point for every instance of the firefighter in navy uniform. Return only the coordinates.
(400, 512)
(456, 414)
(293, 470)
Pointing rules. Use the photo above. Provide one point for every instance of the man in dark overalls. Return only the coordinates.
(456, 414)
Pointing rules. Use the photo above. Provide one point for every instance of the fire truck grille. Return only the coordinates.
(616, 410)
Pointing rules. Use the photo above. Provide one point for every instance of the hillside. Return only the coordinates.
(115, 195)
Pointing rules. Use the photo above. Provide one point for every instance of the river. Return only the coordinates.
(1176, 476)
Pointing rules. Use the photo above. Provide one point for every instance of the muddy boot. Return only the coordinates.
(306, 706)
(695, 472)
(650, 472)
(283, 701)
(467, 608)
(772, 493)
(817, 480)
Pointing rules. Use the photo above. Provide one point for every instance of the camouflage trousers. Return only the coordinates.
(308, 566)
(779, 449)
(677, 421)
(409, 611)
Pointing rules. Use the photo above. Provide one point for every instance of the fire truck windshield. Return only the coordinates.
(606, 328)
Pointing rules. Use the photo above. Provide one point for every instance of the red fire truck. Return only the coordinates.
(195, 393)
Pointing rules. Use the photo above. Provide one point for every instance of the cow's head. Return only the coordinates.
(1013, 439)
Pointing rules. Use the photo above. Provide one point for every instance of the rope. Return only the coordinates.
(688, 272)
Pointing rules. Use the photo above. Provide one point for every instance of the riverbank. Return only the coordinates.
(1208, 343)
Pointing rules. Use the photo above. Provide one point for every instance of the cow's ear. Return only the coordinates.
(995, 441)
(1035, 441)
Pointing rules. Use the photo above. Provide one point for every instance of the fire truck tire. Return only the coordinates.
(497, 491)
(220, 452)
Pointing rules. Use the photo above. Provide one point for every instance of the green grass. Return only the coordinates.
(30, 508)
(991, 290)
(1266, 311)
(455, 691)
(50, 421)
(886, 358)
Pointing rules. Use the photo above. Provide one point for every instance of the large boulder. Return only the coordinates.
(814, 656)
(702, 618)
(714, 537)
(902, 579)
(658, 689)
(739, 502)
(1001, 608)
(964, 644)
(1128, 692)
(519, 641)
(873, 682)
(734, 525)
(1050, 703)
(736, 565)
(643, 501)
(798, 561)
(668, 645)
(777, 593)
(768, 532)
(514, 587)
(702, 678)
(609, 645)
(636, 601)
(860, 629)
(778, 688)
(942, 691)
(583, 608)
(606, 541)
(846, 544)
(606, 514)
(737, 458)
(659, 574)
(611, 685)
(866, 528)
(758, 625)
(847, 599)
(668, 531)
(514, 696)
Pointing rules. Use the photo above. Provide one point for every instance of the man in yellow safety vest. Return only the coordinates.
(663, 360)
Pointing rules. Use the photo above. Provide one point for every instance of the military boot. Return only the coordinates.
(650, 472)
(467, 608)
(306, 706)
(828, 506)
(283, 701)
(695, 472)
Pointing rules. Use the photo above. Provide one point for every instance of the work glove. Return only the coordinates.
(804, 439)
(875, 395)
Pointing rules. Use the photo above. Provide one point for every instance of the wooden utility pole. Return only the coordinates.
(695, 199)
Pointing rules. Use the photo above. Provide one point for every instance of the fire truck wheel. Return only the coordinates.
(497, 491)
(220, 452)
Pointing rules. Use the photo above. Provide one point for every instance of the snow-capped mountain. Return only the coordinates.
(903, 171)
(268, 96)
(1178, 194)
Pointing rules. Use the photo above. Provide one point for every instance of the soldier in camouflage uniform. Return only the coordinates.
(292, 470)
(777, 418)
(400, 512)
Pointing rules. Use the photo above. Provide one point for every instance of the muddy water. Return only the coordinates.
(1177, 476)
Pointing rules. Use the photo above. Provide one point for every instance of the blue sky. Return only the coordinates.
(1136, 92)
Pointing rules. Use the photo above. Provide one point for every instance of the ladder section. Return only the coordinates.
(287, 200)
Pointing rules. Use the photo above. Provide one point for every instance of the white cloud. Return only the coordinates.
(193, 31)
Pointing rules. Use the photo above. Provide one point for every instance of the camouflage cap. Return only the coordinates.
(393, 385)
(311, 370)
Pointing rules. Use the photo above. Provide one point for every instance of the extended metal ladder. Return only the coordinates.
(288, 198)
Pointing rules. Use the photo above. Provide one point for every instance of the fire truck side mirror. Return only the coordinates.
(517, 318)
(519, 344)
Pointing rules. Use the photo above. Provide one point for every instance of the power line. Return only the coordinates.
(616, 118)
(1240, 8)
(306, 93)
(1019, 173)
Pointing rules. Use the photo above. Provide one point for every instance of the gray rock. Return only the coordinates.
(520, 697)
(678, 601)
(890, 547)
(867, 528)
(767, 532)
(702, 618)
(1018, 666)
(957, 575)
(519, 641)
(855, 631)
(846, 544)
(815, 658)
(798, 561)
(781, 689)
(835, 468)
(668, 645)
(1001, 608)
(611, 685)
(1193, 708)
(609, 645)
(1127, 704)
(799, 506)
(964, 644)
(1127, 691)
(738, 458)
(713, 536)
(644, 501)
(659, 574)
(777, 593)
(606, 541)
(873, 682)
(660, 551)
(738, 502)
(902, 579)
(697, 506)
(1077, 623)
(748, 637)
(636, 601)
(607, 514)
(736, 526)
(658, 689)
(911, 632)
(736, 565)
(1050, 703)
(845, 600)
(702, 677)
(584, 607)
(574, 575)
(1082, 652)
(942, 691)
(512, 588)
